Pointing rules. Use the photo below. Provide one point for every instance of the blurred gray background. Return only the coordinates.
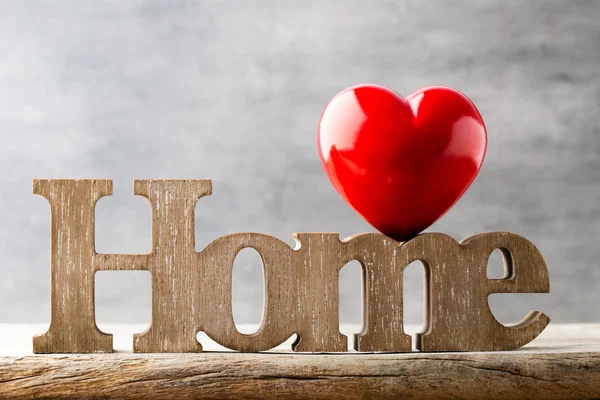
(233, 90)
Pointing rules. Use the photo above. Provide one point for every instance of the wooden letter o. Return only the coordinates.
(278, 322)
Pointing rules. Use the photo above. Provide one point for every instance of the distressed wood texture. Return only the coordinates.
(563, 363)
(191, 291)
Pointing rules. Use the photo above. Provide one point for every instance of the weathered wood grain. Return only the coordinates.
(191, 291)
(207, 375)
(73, 321)
(458, 314)
(563, 363)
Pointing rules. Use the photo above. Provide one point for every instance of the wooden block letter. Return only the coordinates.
(319, 260)
(279, 313)
(460, 318)
(73, 324)
(74, 262)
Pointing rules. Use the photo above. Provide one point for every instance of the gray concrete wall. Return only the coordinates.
(232, 90)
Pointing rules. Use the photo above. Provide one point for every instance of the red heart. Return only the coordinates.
(401, 163)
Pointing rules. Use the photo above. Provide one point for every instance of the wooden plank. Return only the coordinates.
(563, 363)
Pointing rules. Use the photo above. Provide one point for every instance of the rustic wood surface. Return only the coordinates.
(563, 363)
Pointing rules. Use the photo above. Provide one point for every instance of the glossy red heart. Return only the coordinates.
(401, 163)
